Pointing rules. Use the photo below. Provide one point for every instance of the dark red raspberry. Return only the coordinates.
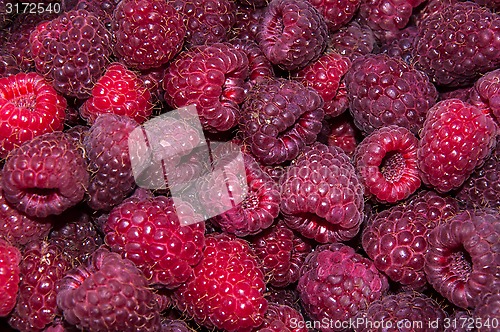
(336, 283)
(45, 176)
(175, 325)
(456, 139)
(282, 318)
(148, 33)
(387, 91)
(108, 293)
(101, 8)
(29, 107)
(258, 207)
(292, 33)
(43, 265)
(430, 7)
(281, 252)
(283, 296)
(207, 21)
(401, 44)
(152, 79)
(279, 118)
(5, 17)
(396, 240)
(459, 321)
(487, 312)
(462, 260)
(212, 77)
(389, 15)
(71, 51)
(253, 3)
(118, 91)
(107, 149)
(336, 13)
(150, 234)
(406, 311)
(432, 207)
(458, 43)
(227, 288)
(386, 161)
(353, 40)
(322, 195)
(464, 94)
(324, 75)
(247, 22)
(340, 131)
(494, 5)
(486, 93)
(8, 65)
(10, 257)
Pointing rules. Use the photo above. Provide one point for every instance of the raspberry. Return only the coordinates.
(152, 79)
(488, 311)
(324, 75)
(462, 260)
(279, 118)
(387, 91)
(340, 131)
(118, 91)
(108, 293)
(149, 233)
(247, 22)
(336, 283)
(464, 94)
(401, 44)
(281, 252)
(71, 51)
(148, 33)
(403, 310)
(389, 15)
(353, 40)
(386, 161)
(322, 195)
(458, 43)
(43, 265)
(207, 21)
(292, 33)
(336, 13)
(10, 257)
(282, 318)
(486, 93)
(460, 316)
(227, 288)
(491, 4)
(107, 150)
(29, 107)
(45, 176)
(432, 207)
(212, 77)
(177, 325)
(455, 139)
(102, 8)
(283, 296)
(8, 65)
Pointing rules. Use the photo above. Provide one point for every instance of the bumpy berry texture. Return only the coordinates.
(353, 40)
(488, 310)
(43, 265)
(386, 161)
(336, 283)
(282, 318)
(325, 75)
(10, 257)
(118, 91)
(491, 4)
(322, 195)
(45, 175)
(389, 15)
(148, 33)
(108, 293)
(406, 309)
(279, 118)
(175, 325)
(434, 208)
(460, 321)
(486, 93)
(71, 51)
(102, 8)
(340, 131)
(458, 43)
(455, 139)
(462, 260)
(387, 91)
(401, 44)
(212, 77)
(259, 204)
(8, 65)
(281, 252)
(150, 234)
(247, 22)
(29, 107)
(292, 33)
(107, 149)
(152, 79)
(336, 13)
(227, 288)
(396, 240)
(464, 94)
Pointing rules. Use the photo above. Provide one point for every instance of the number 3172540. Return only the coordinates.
(32, 7)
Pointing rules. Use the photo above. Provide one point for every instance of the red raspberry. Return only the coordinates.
(108, 293)
(486, 93)
(281, 252)
(46, 175)
(118, 91)
(227, 288)
(340, 131)
(247, 22)
(101, 8)
(494, 5)
(71, 51)
(455, 140)
(282, 318)
(292, 33)
(432, 207)
(207, 21)
(8, 65)
(10, 257)
(353, 40)
(401, 44)
(280, 117)
(149, 233)
(386, 161)
(336, 13)
(324, 75)
(322, 195)
(212, 77)
(29, 107)
(43, 265)
(152, 79)
(462, 260)
(487, 312)
(389, 15)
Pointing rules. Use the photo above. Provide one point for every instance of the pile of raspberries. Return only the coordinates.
(249, 165)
